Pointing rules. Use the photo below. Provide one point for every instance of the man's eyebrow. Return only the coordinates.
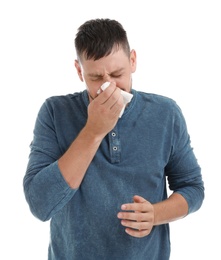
(116, 71)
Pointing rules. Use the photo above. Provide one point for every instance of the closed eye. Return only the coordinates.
(116, 76)
(96, 78)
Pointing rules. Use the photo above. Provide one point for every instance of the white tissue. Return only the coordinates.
(126, 96)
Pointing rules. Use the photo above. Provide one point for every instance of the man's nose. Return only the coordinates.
(107, 78)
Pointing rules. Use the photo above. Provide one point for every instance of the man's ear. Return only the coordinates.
(78, 68)
(133, 61)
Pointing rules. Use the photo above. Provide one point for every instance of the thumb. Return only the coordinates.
(139, 199)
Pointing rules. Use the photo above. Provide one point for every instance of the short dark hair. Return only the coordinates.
(97, 38)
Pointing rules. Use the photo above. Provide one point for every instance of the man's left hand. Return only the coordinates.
(137, 217)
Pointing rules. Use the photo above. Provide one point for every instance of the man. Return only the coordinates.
(100, 178)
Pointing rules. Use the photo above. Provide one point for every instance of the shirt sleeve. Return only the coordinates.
(45, 189)
(183, 170)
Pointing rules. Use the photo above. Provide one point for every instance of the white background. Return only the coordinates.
(178, 46)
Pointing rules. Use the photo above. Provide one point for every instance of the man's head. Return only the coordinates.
(103, 54)
(98, 38)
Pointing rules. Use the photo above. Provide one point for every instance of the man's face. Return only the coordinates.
(115, 67)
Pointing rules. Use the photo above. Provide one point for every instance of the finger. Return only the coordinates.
(139, 199)
(118, 105)
(134, 216)
(115, 99)
(104, 96)
(136, 225)
(137, 233)
(142, 207)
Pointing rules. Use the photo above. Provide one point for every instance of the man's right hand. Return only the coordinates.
(104, 111)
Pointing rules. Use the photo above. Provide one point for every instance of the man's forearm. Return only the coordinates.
(74, 163)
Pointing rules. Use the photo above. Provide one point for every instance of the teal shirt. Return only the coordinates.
(149, 146)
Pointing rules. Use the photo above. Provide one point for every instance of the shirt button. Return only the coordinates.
(115, 148)
(113, 134)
